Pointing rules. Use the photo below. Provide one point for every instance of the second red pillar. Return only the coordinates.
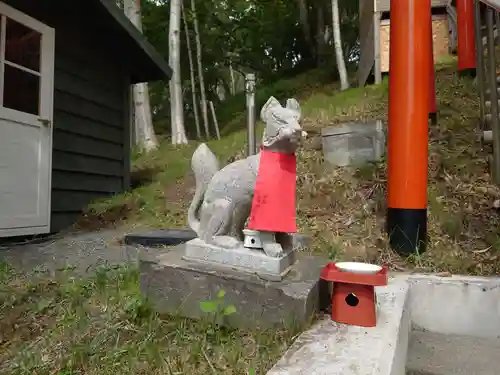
(465, 37)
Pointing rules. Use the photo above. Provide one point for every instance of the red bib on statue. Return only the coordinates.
(273, 205)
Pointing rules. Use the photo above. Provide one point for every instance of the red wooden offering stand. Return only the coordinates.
(353, 296)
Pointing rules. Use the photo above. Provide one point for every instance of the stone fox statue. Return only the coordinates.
(223, 197)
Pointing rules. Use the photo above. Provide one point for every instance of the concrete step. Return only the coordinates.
(488, 91)
(487, 136)
(488, 118)
(437, 354)
(487, 103)
(486, 85)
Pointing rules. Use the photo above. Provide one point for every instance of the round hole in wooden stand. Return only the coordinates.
(352, 300)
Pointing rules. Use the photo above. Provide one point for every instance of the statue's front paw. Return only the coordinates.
(273, 249)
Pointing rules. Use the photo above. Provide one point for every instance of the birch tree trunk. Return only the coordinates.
(204, 110)
(191, 72)
(145, 135)
(344, 83)
(231, 74)
(176, 99)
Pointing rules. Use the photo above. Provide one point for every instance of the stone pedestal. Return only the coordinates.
(177, 286)
(240, 259)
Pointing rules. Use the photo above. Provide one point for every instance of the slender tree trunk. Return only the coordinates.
(344, 83)
(191, 73)
(304, 23)
(204, 111)
(214, 117)
(320, 35)
(145, 135)
(176, 99)
(231, 74)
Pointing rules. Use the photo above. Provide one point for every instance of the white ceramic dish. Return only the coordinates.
(359, 268)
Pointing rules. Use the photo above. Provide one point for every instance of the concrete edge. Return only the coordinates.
(471, 308)
(461, 305)
(452, 279)
(393, 358)
(328, 348)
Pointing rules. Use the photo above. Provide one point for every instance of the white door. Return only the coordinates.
(26, 97)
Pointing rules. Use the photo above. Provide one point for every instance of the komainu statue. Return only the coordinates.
(260, 188)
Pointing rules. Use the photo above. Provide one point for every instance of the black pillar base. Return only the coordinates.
(469, 72)
(407, 230)
(433, 117)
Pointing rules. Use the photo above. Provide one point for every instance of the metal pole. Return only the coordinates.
(492, 80)
(497, 21)
(480, 59)
(250, 90)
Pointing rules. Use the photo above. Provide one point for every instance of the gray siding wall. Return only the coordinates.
(367, 40)
(89, 131)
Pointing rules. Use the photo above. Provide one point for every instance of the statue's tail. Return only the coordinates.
(204, 165)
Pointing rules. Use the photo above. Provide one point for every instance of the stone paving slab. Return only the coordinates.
(438, 354)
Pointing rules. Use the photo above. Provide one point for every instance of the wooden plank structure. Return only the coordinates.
(374, 18)
(93, 66)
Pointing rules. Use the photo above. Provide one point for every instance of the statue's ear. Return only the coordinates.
(293, 105)
(267, 109)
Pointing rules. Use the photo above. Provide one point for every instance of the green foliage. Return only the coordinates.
(263, 37)
(282, 90)
(217, 311)
(217, 306)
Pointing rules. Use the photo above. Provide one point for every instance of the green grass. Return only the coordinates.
(68, 325)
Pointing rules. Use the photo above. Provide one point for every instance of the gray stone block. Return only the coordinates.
(176, 286)
(353, 143)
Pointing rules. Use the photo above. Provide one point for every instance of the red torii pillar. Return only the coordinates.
(409, 88)
(465, 38)
(432, 76)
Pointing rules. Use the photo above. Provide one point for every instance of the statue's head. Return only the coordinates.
(283, 131)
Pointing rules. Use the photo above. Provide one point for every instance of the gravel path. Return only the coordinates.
(81, 251)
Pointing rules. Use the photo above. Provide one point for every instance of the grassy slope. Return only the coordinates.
(165, 174)
(343, 209)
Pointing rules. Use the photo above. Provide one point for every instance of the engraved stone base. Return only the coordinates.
(242, 259)
(176, 286)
